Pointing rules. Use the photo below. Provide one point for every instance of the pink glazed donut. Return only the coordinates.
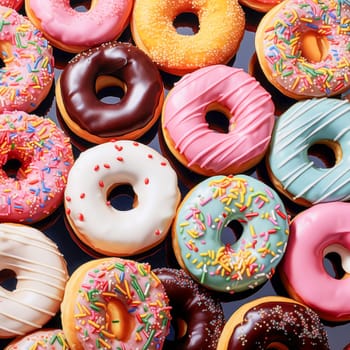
(314, 233)
(240, 98)
(14, 4)
(74, 31)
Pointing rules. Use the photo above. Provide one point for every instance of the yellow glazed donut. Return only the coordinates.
(41, 275)
(115, 303)
(221, 28)
(303, 47)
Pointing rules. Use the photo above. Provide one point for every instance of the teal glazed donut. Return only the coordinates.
(308, 123)
(201, 218)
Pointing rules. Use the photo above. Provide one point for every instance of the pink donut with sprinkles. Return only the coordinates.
(35, 158)
(14, 4)
(303, 47)
(28, 74)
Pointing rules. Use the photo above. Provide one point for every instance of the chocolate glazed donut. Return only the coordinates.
(111, 64)
(197, 317)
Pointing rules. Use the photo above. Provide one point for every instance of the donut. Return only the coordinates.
(221, 29)
(74, 31)
(35, 160)
(109, 65)
(88, 207)
(198, 317)
(203, 215)
(315, 232)
(260, 5)
(306, 124)
(46, 339)
(302, 47)
(27, 73)
(240, 98)
(273, 322)
(14, 4)
(41, 275)
(115, 303)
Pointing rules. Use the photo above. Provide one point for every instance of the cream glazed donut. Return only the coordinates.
(317, 231)
(41, 274)
(233, 92)
(105, 167)
(75, 31)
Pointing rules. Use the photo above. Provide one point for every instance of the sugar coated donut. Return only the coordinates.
(74, 31)
(115, 303)
(108, 65)
(221, 29)
(260, 5)
(240, 98)
(14, 4)
(273, 322)
(305, 124)
(41, 274)
(302, 47)
(317, 231)
(46, 339)
(38, 156)
(197, 317)
(27, 74)
(90, 212)
(201, 218)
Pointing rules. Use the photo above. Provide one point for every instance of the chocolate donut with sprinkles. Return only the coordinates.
(210, 207)
(28, 71)
(35, 158)
(303, 47)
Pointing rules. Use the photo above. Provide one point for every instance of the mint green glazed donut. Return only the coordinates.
(201, 218)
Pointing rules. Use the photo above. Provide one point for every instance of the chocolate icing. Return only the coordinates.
(290, 324)
(192, 303)
(128, 64)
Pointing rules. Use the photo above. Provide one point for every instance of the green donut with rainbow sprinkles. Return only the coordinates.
(200, 222)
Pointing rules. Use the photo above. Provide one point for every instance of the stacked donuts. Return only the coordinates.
(162, 197)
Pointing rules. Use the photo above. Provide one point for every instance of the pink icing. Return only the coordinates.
(15, 4)
(315, 232)
(250, 124)
(104, 21)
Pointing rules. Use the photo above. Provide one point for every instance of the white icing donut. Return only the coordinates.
(106, 229)
(41, 274)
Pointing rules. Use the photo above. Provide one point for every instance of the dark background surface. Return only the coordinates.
(57, 228)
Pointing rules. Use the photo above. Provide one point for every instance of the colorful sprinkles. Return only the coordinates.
(327, 21)
(204, 214)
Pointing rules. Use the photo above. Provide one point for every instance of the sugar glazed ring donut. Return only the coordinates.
(317, 231)
(306, 124)
(75, 31)
(247, 106)
(14, 4)
(221, 29)
(197, 317)
(302, 47)
(273, 323)
(46, 339)
(107, 166)
(115, 303)
(203, 214)
(41, 275)
(111, 64)
(39, 157)
(28, 74)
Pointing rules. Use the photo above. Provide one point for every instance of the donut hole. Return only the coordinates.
(186, 23)
(333, 266)
(121, 321)
(8, 280)
(109, 90)
(232, 232)
(178, 329)
(277, 346)
(122, 197)
(80, 5)
(11, 167)
(217, 120)
(314, 47)
(325, 154)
